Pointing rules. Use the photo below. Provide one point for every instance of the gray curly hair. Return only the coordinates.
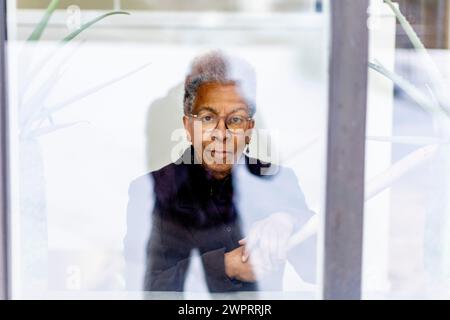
(216, 66)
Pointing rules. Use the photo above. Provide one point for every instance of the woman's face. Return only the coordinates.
(220, 127)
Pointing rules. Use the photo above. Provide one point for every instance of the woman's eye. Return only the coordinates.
(236, 120)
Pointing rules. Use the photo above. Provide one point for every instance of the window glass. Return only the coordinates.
(407, 186)
(107, 197)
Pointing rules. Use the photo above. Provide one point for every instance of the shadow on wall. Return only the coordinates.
(164, 116)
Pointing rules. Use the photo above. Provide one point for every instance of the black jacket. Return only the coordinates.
(189, 210)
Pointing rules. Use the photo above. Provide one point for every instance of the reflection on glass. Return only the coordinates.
(220, 114)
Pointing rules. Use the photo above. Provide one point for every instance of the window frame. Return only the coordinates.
(4, 204)
(347, 105)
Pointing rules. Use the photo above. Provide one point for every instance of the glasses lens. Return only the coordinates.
(236, 122)
(233, 122)
(209, 121)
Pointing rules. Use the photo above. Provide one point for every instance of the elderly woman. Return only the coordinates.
(237, 211)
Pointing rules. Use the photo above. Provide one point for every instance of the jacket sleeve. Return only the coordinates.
(150, 263)
(169, 255)
(216, 278)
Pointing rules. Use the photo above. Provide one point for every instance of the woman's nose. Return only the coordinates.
(221, 132)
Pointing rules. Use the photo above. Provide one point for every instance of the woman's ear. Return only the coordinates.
(251, 125)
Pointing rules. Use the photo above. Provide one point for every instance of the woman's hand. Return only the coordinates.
(235, 268)
(268, 240)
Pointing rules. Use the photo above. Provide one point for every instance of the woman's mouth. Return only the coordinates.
(213, 152)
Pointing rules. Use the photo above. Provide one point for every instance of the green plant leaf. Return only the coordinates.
(409, 140)
(46, 130)
(434, 76)
(43, 64)
(90, 23)
(412, 35)
(31, 108)
(81, 95)
(414, 93)
(39, 29)
(399, 170)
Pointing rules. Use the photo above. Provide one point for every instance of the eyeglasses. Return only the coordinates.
(233, 122)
